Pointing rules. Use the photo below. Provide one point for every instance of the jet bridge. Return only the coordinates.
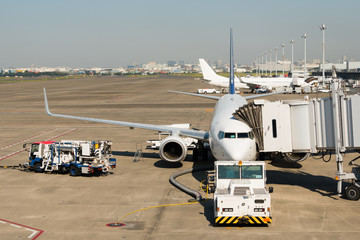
(307, 126)
(303, 126)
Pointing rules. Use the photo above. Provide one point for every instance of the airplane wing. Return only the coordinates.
(201, 135)
(197, 95)
(262, 95)
(251, 85)
(217, 98)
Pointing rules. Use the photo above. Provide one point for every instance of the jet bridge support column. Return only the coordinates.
(336, 94)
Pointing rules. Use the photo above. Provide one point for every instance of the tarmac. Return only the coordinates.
(54, 206)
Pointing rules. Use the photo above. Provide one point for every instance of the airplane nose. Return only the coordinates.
(238, 155)
(240, 151)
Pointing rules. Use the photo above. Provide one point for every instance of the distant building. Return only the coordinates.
(171, 63)
(348, 66)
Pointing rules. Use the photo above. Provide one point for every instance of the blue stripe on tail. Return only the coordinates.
(231, 80)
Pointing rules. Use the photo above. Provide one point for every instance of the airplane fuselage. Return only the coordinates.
(224, 83)
(230, 139)
(269, 82)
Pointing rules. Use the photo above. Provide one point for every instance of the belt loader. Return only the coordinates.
(240, 194)
(75, 157)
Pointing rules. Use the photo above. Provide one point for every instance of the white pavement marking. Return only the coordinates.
(13, 144)
(33, 232)
(14, 153)
(17, 226)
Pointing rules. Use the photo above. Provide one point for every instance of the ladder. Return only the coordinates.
(138, 154)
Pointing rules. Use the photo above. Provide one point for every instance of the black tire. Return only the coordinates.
(37, 167)
(352, 192)
(295, 157)
(62, 170)
(205, 92)
(74, 171)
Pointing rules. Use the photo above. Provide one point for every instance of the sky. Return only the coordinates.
(117, 33)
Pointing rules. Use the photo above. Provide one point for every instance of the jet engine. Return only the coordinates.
(295, 157)
(173, 149)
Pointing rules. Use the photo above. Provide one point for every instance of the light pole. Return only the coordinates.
(322, 28)
(270, 62)
(283, 57)
(276, 60)
(262, 64)
(259, 65)
(304, 37)
(292, 56)
(255, 64)
(266, 68)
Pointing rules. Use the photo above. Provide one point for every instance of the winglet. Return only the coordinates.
(46, 104)
(231, 80)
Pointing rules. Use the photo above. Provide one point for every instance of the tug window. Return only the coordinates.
(229, 172)
(249, 172)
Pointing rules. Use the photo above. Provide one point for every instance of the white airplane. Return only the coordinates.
(248, 82)
(229, 139)
(210, 77)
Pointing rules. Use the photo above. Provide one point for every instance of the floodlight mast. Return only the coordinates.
(292, 56)
(283, 59)
(276, 60)
(262, 64)
(304, 37)
(259, 65)
(266, 68)
(270, 62)
(323, 28)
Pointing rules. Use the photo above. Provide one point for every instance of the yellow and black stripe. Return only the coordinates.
(242, 220)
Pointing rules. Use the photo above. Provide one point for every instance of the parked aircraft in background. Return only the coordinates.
(252, 82)
(210, 77)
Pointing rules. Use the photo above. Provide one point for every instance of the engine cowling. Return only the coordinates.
(295, 157)
(173, 149)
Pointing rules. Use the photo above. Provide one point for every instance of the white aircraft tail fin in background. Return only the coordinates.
(207, 71)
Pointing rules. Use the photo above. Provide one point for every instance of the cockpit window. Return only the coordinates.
(221, 135)
(233, 135)
(243, 135)
(230, 135)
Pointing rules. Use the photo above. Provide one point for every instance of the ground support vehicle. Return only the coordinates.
(240, 195)
(352, 191)
(207, 90)
(73, 157)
